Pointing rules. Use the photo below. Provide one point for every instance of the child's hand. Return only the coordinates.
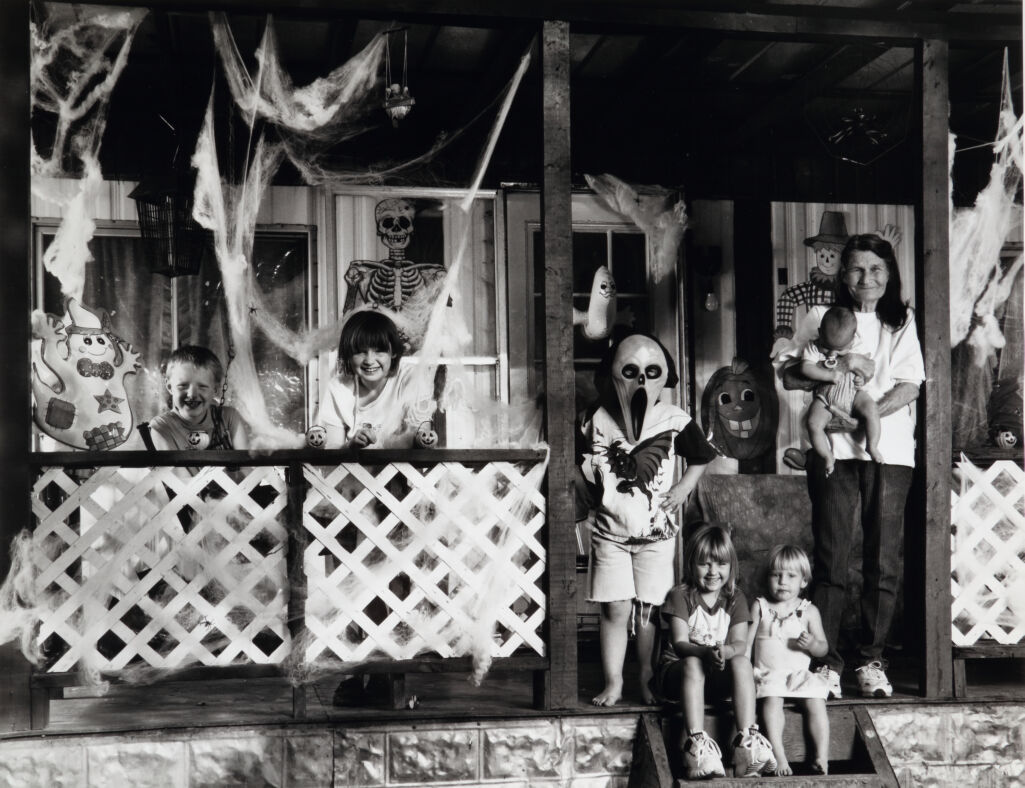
(363, 437)
(716, 657)
(673, 498)
(805, 641)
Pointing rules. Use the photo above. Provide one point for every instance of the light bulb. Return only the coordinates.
(711, 301)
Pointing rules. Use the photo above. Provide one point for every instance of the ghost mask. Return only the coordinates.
(640, 370)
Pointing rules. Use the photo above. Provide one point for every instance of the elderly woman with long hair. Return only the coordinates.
(861, 489)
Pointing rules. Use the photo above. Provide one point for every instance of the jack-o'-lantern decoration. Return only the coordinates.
(426, 436)
(316, 437)
(78, 379)
(740, 411)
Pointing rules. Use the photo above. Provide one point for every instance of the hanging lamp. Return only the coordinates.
(397, 100)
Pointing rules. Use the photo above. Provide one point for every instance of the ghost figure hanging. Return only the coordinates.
(391, 282)
(740, 411)
(598, 319)
(78, 372)
(641, 369)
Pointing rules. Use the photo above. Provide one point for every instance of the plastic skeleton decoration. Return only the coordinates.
(393, 281)
(78, 372)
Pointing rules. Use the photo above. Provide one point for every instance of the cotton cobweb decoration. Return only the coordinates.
(75, 65)
(979, 283)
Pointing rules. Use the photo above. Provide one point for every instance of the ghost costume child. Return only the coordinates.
(630, 443)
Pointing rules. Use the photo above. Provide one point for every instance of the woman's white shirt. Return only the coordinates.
(898, 359)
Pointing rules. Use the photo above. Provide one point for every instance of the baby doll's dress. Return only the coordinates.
(782, 671)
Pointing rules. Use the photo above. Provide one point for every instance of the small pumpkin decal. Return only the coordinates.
(740, 411)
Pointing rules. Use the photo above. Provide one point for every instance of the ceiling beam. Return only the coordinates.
(756, 19)
(839, 65)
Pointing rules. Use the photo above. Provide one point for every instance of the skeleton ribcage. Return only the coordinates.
(388, 289)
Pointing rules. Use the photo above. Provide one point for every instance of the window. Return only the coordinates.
(155, 313)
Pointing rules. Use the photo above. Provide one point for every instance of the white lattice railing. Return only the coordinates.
(405, 560)
(154, 567)
(988, 554)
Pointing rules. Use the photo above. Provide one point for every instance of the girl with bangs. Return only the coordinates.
(704, 658)
(365, 403)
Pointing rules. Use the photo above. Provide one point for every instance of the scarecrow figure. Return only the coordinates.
(78, 371)
(818, 290)
(391, 282)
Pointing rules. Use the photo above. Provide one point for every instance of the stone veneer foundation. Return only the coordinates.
(582, 752)
(928, 745)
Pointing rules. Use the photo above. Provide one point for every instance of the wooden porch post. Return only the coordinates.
(561, 686)
(932, 274)
(15, 245)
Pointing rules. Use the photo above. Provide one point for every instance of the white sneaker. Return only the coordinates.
(702, 757)
(872, 680)
(752, 754)
(832, 679)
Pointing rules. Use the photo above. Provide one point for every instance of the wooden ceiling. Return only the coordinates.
(788, 100)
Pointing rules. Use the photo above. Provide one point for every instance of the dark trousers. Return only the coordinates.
(875, 494)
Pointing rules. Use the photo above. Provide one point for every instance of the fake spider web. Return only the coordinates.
(281, 122)
(981, 283)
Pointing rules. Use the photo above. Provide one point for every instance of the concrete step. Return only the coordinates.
(857, 757)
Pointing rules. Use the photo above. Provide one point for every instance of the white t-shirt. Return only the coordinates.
(898, 359)
(387, 415)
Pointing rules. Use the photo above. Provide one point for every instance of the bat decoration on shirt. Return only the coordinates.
(636, 469)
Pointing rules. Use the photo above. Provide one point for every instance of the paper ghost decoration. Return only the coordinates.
(78, 379)
(600, 316)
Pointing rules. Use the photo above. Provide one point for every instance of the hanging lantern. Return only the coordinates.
(397, 101)
(173, 238)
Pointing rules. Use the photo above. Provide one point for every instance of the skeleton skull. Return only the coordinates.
(395, 222)
(639, 373)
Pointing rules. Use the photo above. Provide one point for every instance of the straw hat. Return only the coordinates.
(832, 229)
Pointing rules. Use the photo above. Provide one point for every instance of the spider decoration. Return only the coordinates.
(858, 125)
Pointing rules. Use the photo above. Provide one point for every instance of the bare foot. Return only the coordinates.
(782, 764)
(820, 767)
(610, 695)
(782, 767)
(647, 696)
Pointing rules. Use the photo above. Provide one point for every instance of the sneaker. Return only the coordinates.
(872, 680)
(752, 754)
(702, 757)
(832, 679)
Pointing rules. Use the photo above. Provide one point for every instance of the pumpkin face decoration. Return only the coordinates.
(740, 411)
(426, 437)
(316, 437)
(78, 379)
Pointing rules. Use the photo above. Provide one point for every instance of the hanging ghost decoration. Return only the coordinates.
(740, 411)
(597, 320)
(78, 379)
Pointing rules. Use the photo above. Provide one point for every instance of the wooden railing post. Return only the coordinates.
(561, 687)
(932, 274)
(295, 563)
(15, 301)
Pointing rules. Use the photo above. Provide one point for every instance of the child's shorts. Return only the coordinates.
(619, 571)
(668, 682)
